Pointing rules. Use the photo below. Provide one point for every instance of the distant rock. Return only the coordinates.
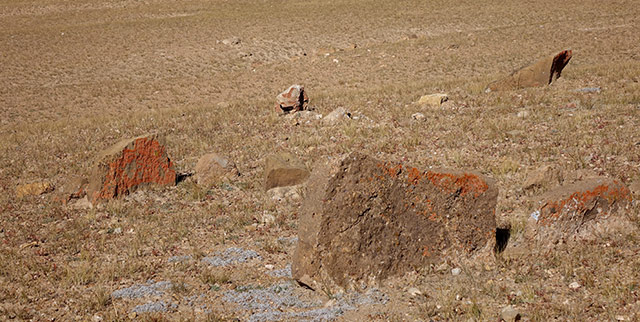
(418, 116)
(336, 115)
(33, 189)
(231, 41)
(584, 210)
(541, 73)
(213, 169)
(293, 99)
(433, 99)
(284, 169)
(364, 219)
(510, 314)
(523, 114)
(128, 165)
(543, 178)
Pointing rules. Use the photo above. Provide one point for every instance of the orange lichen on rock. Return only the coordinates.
(390, 169)
(128, 165)
(464, 183)
(414, 176)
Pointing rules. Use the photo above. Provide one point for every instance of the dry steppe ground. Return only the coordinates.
(77, 76)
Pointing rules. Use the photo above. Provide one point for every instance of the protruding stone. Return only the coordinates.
(33, 189)
(433, 99)
(129, 165)
(580, 211)
(364, 220)
(284, 169)
(545, 177)
(293, 99)
(509, 314)
(336, 115)
(541, 73)
(212, 169)
(418, 116)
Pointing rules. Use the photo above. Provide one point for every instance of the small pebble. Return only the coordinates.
(456, 271)
(574, 285)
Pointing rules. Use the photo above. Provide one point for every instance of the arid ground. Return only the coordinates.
(78, 76)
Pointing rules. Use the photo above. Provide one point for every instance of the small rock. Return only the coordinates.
(433, 99)
(456, 271)
(510, 314)
(523, 114)
(267, 218)
(543, 178)
(336, 115)
(293, 99)
(33, 189)
(213, 168)
(82, 203)
(284, 169)
(290, 193)
(588, 90)
(541, 73)
(574, 285)
(231, 41)
(621, 318)
(269, 266)
(414, 291)
(418, 116)
(96, 318)
(117, 231)
(304, 117)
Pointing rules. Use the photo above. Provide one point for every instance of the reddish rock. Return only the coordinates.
(292, 100)
(129, 165)
(541, 73)
(580, 211)
(364, 220)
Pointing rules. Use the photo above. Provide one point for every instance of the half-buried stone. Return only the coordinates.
(364, 220)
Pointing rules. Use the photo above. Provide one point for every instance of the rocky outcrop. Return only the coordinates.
(433, 99)
(129, 165)
(364, 219)
(541, 73)
(579, 211)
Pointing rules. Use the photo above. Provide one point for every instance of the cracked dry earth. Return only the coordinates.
(78, 76)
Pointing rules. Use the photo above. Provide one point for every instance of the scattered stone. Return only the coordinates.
(117, 231)
(545, 177)
(583, 210)
(418, 116)
(129, 165)
(179, 259)
(588, 90)
(456, 271)
(304, 117)
(159, 306)
(231, 41)
(541, 73)
(213, 169)
(74, 188)
(292, 100)
(285, 272)
(231, 256)
(364, 219)
(414, 291)
(284, 169)
(335, 116)
(510, 314)
(523, 114)
(267, 218)
(291, 193)
(574, 285)
(33, 189)
(138, 290)
(82, 204)
(433, 99)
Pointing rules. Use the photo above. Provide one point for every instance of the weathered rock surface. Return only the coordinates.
(541, 73)
(433, 99)
(365, 220)
(293, 99)
(213, 168)
(33, 189)
(129, 165)
(284, 169)
(580, 211)
(543, 178)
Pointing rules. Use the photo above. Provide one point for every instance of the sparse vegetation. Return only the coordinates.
(78, 76)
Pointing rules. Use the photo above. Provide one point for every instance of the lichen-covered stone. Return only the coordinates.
(541, 73)
(365, 219)
(129, 165)
(579, 211)
(293, 99)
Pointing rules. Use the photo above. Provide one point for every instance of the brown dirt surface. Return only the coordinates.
(78, 76)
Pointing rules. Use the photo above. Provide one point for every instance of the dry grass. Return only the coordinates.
(76, 77)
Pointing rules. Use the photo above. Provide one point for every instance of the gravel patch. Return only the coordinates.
(159, 306)
(283, 301)
(285, 272)
(139, 290)
(233, 255)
